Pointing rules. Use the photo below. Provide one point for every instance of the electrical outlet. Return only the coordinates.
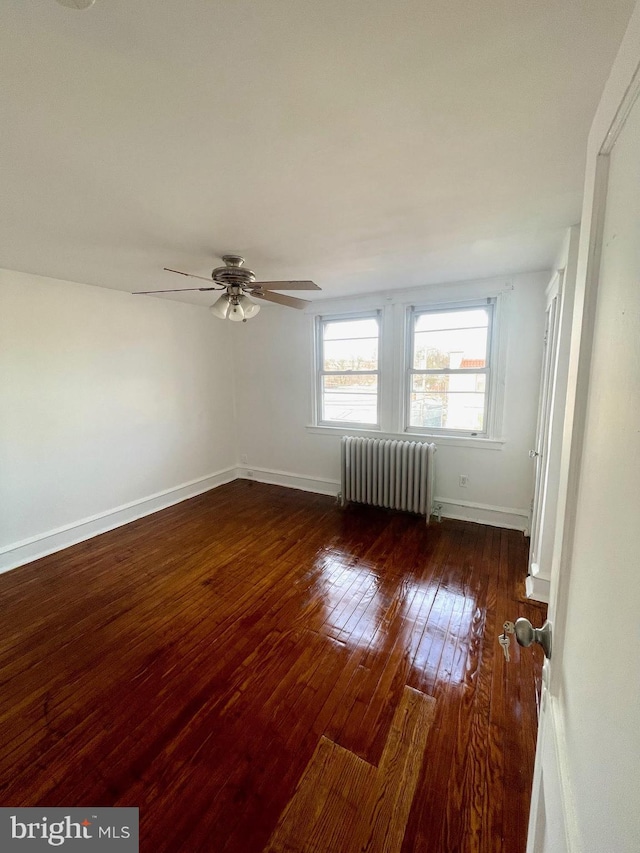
(463, 480)
(244, 459)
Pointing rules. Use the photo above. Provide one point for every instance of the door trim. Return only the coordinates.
(548, 441)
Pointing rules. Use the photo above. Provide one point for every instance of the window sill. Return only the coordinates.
(441, 440)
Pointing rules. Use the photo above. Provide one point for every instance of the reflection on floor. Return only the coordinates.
(193, 662)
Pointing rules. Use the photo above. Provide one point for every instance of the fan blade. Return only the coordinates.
(189, 274)
(281, 299)
(287, 285)
(179, 290)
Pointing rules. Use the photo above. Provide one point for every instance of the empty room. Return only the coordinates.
(319, 404)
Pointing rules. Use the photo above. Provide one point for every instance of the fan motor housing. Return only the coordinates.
(233, 274)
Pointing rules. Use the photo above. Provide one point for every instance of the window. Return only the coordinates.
(436, 369)
(448, 374)
(348, 370)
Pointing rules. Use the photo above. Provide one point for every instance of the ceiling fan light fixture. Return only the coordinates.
(250, 307)
(221, 307)
(233, 307)
(236, 313)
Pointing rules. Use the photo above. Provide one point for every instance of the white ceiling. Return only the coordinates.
(364, 144)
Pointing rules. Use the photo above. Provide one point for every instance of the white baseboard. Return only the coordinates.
(302, 482)
(27, 550)
(538, 584)
(38, 546)
(495, 516)
(538, 589)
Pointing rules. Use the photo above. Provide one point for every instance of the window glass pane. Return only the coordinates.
(455, 383)
(350, 398)
(341, 329)
(464, 318)
(355, 354)
(452, 401)
(451, 349)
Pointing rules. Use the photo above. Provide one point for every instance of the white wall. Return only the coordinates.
(106, 399)
(273, 355)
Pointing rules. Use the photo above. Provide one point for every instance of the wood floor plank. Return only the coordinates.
(324, 809)
(343, 804)
(191, 662)
(398, 774)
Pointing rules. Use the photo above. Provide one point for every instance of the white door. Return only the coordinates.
(586, 794)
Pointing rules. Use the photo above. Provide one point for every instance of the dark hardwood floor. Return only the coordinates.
(191, 662)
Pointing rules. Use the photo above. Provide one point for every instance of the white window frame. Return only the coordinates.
(320, 322)
(489, 418)
(393, 311)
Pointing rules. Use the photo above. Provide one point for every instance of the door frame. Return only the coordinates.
(546, 433)
(619, 95)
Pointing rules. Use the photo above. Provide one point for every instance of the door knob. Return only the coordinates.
(526, 634)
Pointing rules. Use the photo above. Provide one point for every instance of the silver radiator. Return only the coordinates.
(388, 473)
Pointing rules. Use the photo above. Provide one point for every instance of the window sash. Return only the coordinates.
(414, 315)
(321, 322)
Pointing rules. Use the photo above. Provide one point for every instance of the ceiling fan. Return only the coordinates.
(239, 283)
